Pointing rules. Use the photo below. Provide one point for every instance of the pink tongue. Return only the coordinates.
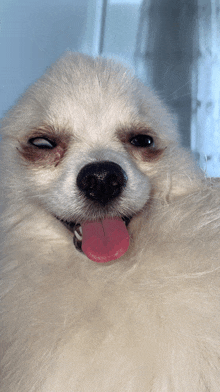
(105, 240)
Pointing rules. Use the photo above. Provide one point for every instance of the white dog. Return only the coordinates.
(111, 253)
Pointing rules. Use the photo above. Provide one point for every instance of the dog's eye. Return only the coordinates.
(142, 141)
(42, 143)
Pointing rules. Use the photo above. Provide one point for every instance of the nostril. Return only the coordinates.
(101, 181)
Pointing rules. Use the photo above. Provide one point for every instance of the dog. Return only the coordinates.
(110, 240)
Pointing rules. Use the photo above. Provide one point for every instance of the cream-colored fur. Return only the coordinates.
(147, 322)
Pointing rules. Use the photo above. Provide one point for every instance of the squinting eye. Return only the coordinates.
(42, 143)
(142, 141)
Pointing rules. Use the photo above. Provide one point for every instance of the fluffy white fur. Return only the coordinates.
(147, 322)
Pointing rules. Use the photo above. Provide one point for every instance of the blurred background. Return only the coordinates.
(173, 45)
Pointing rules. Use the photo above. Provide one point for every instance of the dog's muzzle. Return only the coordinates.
(103, 239)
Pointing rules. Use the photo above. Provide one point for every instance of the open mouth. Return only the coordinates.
(103, 240)
(76, 230)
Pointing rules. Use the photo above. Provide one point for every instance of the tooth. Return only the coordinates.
(78, 233)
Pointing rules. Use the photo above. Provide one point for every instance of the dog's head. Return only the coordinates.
(94, 146)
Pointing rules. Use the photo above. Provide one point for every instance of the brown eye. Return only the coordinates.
(142, 141)
(42, 143)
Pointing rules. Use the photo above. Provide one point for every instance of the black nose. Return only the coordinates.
(101, 181)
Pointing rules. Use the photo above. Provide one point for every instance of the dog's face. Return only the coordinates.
(93, 146)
